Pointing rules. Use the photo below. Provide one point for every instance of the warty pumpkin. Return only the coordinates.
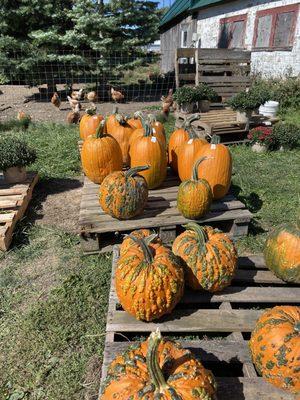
(149, 150)
(100, 155)
(89, 123)
(124, 194)
(149, 280)
(282, 252)
(194, 196)
(275, 347)
(157, 368)
(217, 169)
(177, 138)
(147, 234)
(209, 257)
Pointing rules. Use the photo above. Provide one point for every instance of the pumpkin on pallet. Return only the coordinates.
(282, 252)
(178, 138)
(148, 150)
(157, 368)
(89, 123)
(217, 169)
(209, 257)
(124, 194)
(147, 234)
(100, 155)
(194, 196)
(149, 280)
(275, 347)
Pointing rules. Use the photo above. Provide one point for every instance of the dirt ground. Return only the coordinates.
(15, 98)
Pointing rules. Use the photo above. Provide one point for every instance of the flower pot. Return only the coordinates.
(187, 108)
(15, 174)
(243, 117)
(259, 148)
(204, 105)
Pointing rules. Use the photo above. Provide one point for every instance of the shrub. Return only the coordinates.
(185, 94)
(15, 152)
(286, 92)
(263, 135)
(205, 92)
(248, 101)
(287, 135)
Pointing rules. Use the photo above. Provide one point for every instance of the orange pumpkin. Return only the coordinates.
(140, 132)
(149, 280)
(186, 155)
(135, 121)
(194, 195)
(275, 347)
(128, 242)
(89, 123)
(100, 155)
(122, 132)
(111, 121)
(217, 168)
(147, 150)
(209, 256)
(177, 138)
(156, 125)
(157, 368)
(124, 194)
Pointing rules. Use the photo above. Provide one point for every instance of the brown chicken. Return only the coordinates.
(55, 100)
(77, 94)
(74, 103)
(74, 116)
(116, 96)
(22, 115)
(91, 97)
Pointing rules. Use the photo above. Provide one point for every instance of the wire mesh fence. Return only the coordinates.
(137, 76)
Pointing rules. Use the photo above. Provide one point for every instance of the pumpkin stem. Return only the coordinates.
(146, 127)
(188, 121)
(138, 115)
(100, 129)
(215, 139)
(145, 247)
(115, 109)
(195, 176)
(136, 170)
(121, 119)
(154, 369)
(151, 118)
(202, 235)
(91, 111)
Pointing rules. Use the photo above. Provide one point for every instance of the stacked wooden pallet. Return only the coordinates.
(220, 325)
(14, 200)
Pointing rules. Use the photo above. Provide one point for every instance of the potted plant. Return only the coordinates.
(15, 155)
(186, 98)
(262, 139)
(205, 95)
(287, 135)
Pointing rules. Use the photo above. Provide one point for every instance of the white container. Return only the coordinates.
(269, 109)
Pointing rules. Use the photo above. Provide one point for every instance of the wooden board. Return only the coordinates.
(99, 230)
(220, 325)
(14, 200)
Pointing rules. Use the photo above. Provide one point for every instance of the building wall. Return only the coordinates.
(267, 63)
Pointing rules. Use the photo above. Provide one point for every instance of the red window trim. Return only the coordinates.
(275, 12)
(234, 18)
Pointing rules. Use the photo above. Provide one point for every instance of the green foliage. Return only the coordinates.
(205, 92)
(286, 92)
(287, 135)
(185, 94)
(14, 124)
(248, 101)
(15, 152)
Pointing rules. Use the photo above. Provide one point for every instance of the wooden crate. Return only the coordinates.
(99, 230)
(222, 324)
(14, 200)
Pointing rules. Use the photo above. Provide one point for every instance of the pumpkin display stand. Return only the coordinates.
(100, 231)
(14, 200)
(220, 326)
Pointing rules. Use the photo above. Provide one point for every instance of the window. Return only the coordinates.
(275, 28)
(232, 32)
(184, 38)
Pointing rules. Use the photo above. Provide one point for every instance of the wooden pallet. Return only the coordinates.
(99, 230)
(230, 316)
(14, 199)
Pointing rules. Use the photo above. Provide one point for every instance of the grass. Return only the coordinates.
(53, 301)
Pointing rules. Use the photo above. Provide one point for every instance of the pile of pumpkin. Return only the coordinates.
(140, 143)
(150, 278)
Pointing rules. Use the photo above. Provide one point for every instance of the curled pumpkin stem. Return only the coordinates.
(195, 176)
(100, 129)
(200, 231)
(136, 170)
(145, 248)
(91, 110)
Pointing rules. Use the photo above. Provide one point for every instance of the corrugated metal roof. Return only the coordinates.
(181, 6)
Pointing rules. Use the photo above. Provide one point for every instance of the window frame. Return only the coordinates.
(183, 31)
(234, 18)
(274, 12)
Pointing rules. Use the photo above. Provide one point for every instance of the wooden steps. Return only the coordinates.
(216, 328)
(14, 200)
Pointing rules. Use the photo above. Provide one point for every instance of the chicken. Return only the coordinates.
(77, 94)
(22, 116)
(91, 96)
(116, 96)
(55, 100)
(168, 99)
(74, 116)
(74, 103)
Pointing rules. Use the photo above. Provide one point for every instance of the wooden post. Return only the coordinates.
(176, 69)
(197, 67)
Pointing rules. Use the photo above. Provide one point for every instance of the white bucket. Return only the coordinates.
(269, 109)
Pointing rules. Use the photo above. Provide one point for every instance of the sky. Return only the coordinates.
(165, 3)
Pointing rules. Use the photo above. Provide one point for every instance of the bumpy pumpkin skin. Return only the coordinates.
(129, 378)
(194, 198)
(149, 290)
(88, 125)
(186, 157)
(100, 157)
(275, 347)
(123, 195)
(209, 265)
(217, 169)
(282, 253)
(128, 242)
